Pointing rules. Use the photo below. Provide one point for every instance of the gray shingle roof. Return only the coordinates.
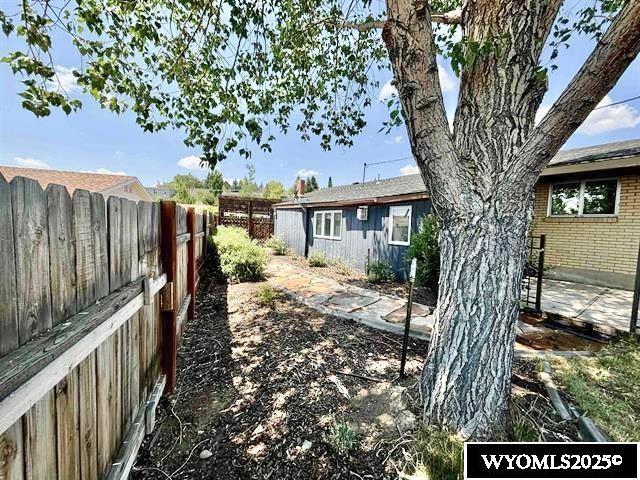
(597, 152)
(409, 184)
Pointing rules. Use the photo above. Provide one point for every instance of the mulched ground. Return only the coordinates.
(256, 383)
(351, 276)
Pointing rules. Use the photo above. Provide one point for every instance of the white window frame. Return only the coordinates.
(332, 235)
(581, 199)
(399, 207)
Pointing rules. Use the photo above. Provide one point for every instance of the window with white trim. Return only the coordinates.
(400, 225)
(596, 197)
(327, 224)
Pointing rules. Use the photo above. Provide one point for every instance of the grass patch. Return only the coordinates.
(266, 296)
(342, 438)
(605, 387)
(439, 454)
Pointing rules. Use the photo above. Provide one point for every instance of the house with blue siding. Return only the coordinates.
(358, 223)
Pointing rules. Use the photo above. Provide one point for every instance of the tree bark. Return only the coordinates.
(481, 178)
(466, 381)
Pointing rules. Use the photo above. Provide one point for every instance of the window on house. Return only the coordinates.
(328, 224)
(587, 197)
(399, 225)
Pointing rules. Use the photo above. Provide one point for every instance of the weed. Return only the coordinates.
(342, 438)
(439, 453)
(277, 245)
(266, 295)
(340, 267)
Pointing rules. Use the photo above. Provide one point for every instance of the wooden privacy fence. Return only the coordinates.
(87, 346)
(255, 215)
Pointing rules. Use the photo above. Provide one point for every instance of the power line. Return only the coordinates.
(617, 103)
(364, 169)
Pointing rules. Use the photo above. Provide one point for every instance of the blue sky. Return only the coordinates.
(95, 139)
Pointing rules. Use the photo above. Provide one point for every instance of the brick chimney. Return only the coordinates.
(300, 187)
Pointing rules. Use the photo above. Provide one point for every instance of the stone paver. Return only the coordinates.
(607, 307)
(355, 303)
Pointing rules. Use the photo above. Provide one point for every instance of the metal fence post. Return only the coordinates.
(543, 241)
(633, 325)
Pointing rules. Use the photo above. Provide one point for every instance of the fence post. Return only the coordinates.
(169, 305)
(633, 325)
(543, 243)
(191, 261)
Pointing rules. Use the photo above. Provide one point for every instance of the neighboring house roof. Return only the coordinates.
(368, 192)
(597, 157)
(106, 184)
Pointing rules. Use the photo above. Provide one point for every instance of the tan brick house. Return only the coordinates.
(587, 203)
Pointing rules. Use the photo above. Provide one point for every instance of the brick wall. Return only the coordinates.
(597, 244)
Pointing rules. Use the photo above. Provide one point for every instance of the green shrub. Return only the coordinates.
(380, 272)
(277, 245)
(266, 295)
(317, 259)
(425, 248)
(241, 259)
(342, 438)
(440, 453)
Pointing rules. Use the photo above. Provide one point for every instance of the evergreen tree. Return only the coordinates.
(329, 183)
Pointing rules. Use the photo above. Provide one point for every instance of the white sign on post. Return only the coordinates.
(412, 273)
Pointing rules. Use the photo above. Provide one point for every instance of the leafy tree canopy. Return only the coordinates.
(274, 190)
(232, 73)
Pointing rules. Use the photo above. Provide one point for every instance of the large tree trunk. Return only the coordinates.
(481, 178)
(466, 380)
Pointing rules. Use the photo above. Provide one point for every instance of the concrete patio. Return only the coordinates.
(600, 306)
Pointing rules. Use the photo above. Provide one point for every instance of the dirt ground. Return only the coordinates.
(259, 388)
(351, 276)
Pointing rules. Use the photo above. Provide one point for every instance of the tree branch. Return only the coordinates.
(409, 39)
(617, 48)
(452, 17)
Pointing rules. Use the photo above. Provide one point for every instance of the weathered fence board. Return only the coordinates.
(8, 296)
(32, 257)
(83, 332)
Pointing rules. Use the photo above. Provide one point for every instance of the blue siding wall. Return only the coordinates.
(290, 224)
(371, 235)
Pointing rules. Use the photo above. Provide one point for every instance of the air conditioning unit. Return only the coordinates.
(363, 213)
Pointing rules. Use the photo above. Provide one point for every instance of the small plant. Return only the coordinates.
(317, 259)
(440, 453)
(425, 248)
(266, 295)
(340, 267)
(342, 438)
(277, 245)
(380, 272)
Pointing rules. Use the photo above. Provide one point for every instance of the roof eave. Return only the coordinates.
(602, 163)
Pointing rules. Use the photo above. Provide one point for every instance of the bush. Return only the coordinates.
(266, 295)
(241, 259)
(317, 259)
(342, 438)
(277, 245)
(341, 267)
(380, 272)
(425, 248)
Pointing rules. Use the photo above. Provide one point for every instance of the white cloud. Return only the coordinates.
(387, 91)
(30, 163)
(191, 163)
(447, 82)
(307, 173)
(63, 80)
(395, 140)
(610, 118)
(409, 170)
(106, 171)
